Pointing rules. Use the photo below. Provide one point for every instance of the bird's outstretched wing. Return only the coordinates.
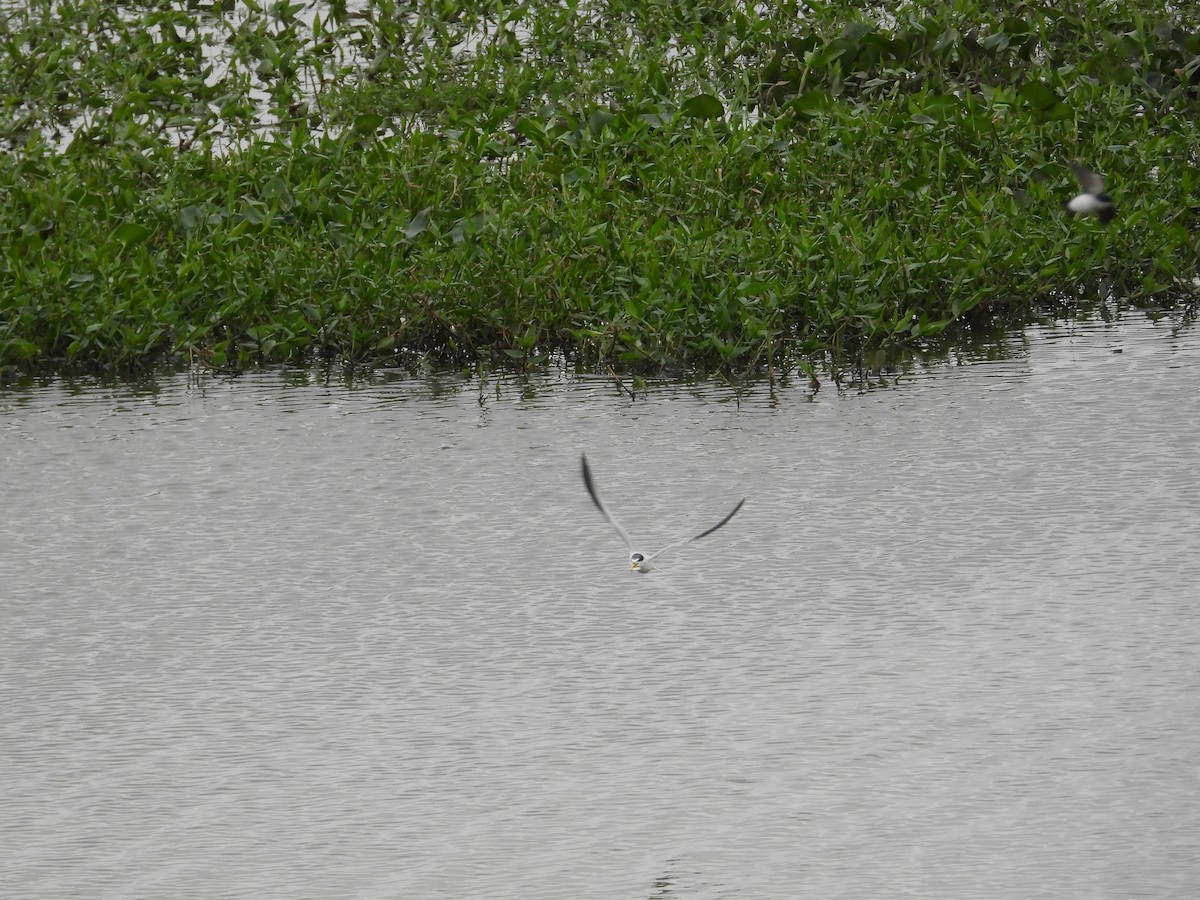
(1089, 181)
(702, 534)
(591, 489)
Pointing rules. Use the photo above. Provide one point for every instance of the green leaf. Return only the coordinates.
(751, 288)
(811, 104)
(419, 223)
(945, 39)
(1054, 114)
(367, 123)
(820, 59)
(277, 189)
(702, 106)
(534, 130)
(190, 217)
(1015, 26)
(1038, 95)
(599, 119)
(997, 41)
(947, 104)
(131, 233)
(20, 348)
(655, 119)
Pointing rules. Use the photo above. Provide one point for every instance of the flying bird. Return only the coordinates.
(638, 561)
(1092, 198)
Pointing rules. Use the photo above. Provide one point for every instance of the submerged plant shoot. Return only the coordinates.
(648, 186)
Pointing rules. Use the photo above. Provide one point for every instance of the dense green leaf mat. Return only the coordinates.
(646, 185)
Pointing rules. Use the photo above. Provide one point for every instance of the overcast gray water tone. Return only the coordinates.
(273, 637)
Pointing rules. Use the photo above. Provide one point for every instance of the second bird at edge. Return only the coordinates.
(1092, 198)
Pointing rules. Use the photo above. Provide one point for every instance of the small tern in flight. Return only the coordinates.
(643, 562)
(1092, 198)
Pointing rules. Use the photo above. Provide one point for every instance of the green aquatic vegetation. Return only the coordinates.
(655, 187)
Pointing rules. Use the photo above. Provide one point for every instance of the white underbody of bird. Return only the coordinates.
(643, 563)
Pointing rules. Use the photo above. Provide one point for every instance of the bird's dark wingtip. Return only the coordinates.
(587, 480)
(723, 522)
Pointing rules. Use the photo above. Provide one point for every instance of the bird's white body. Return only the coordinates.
(1088, 203)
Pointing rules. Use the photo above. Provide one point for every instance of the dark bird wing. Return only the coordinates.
(591, 489)
(1089, 181)
(702, 534)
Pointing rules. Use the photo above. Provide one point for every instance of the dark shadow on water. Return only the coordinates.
(984, 339)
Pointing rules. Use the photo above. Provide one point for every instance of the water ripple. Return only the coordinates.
(279, 635)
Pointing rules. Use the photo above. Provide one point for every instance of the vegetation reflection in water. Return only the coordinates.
(649, 187)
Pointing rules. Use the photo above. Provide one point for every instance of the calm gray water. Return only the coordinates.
(271, 637)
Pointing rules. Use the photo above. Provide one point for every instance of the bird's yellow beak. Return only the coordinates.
(633, 567)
